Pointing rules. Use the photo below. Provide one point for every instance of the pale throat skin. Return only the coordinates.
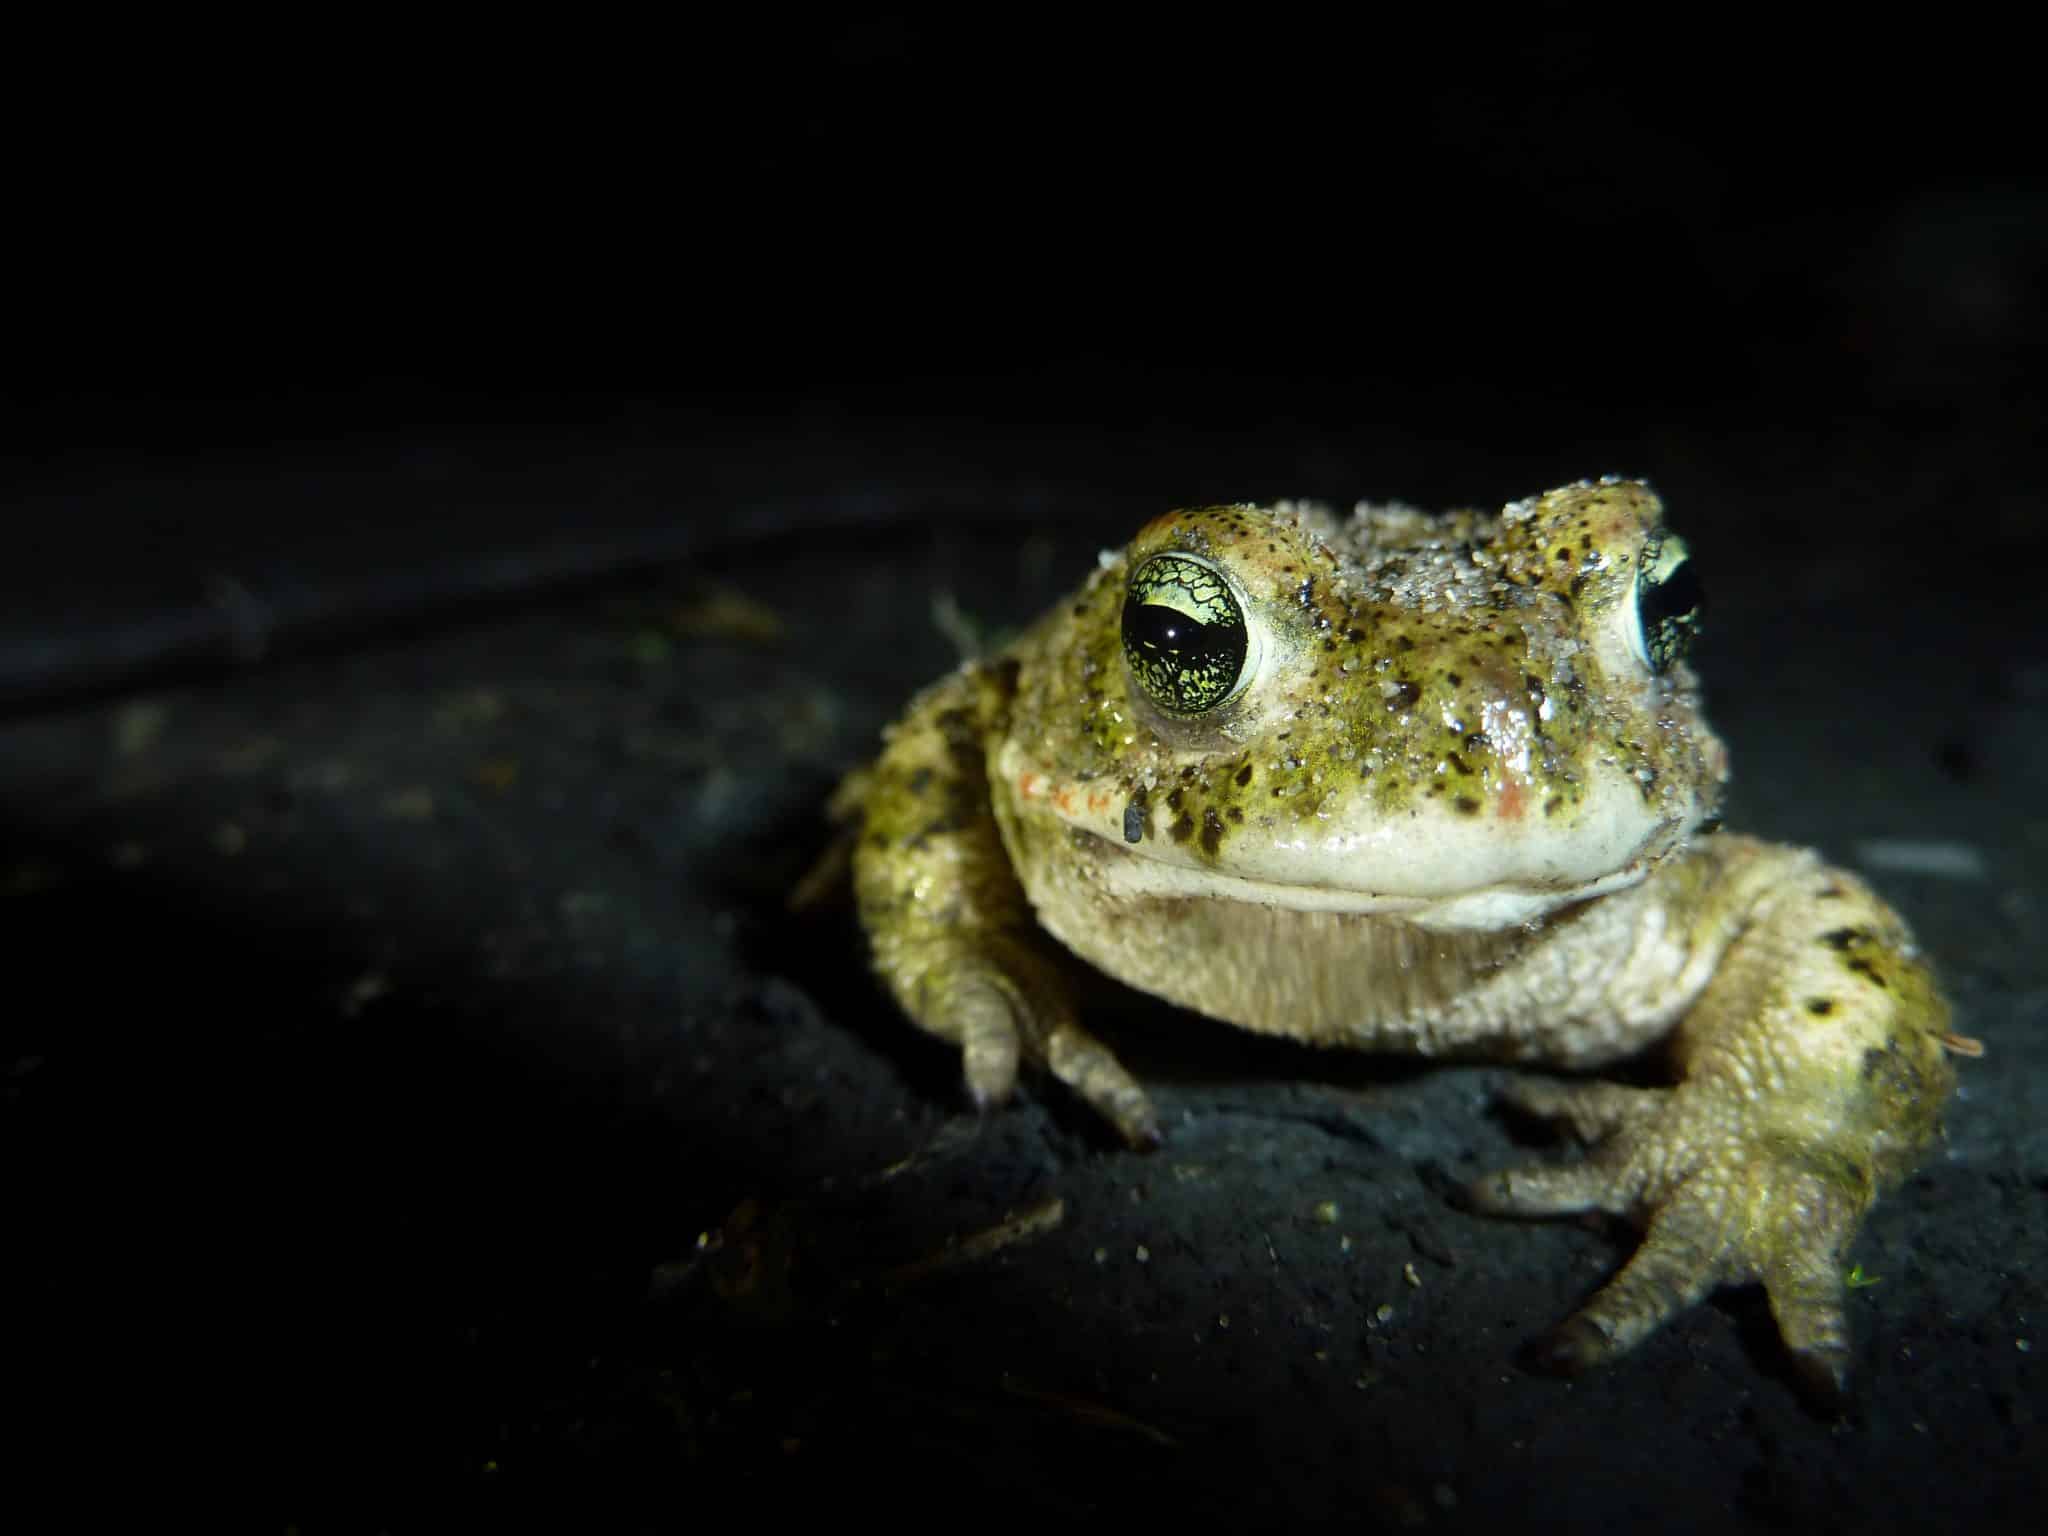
(1422, 784)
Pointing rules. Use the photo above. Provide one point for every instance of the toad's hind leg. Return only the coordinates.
(1813, 1077)
(953, 935)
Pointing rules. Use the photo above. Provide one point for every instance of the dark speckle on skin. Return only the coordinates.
(1389, 657)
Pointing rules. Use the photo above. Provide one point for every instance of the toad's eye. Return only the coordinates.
(1669, 602)
(1184, 634)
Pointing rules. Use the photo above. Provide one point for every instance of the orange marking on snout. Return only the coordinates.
(1513, 800)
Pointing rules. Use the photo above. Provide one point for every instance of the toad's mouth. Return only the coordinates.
(1426, 862)
(1481, 908)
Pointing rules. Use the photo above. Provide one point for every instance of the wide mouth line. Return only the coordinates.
(1195, 881)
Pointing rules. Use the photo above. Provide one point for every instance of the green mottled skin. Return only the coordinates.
(1449, 811)
(1400, 693)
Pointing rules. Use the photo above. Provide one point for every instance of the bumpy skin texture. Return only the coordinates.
(1445, 790)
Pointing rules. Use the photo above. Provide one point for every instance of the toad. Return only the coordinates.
(1432, 784)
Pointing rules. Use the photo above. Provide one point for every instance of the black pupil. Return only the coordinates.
(1186, 665)
(1671, 612)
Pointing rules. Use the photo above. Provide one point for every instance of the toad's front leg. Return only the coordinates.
(953, 935)
(1813, 1072)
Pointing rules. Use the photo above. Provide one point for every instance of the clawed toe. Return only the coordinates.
(1823, 1379)
(1573, 1346)
(1554, 1189)
(1592, 1111)
(984, 1017)
(1085, 1065)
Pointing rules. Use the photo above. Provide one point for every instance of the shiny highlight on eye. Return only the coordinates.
(1669, 601)
(1184, 634)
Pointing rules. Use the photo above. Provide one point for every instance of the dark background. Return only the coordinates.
(404, 440)
(346, 334)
